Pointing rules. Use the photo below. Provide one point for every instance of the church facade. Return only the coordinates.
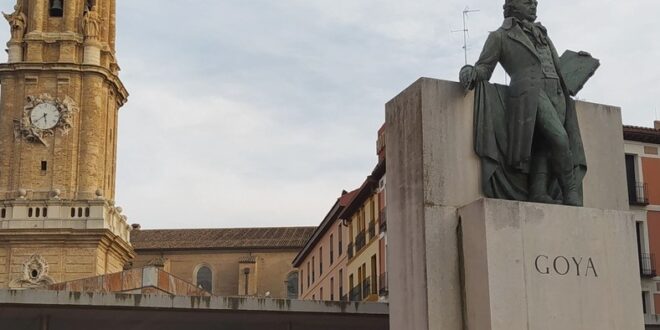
(59, 107)
(60, 100)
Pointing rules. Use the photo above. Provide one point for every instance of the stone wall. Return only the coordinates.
(272, 267)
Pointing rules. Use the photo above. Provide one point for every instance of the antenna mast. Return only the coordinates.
(465, 30)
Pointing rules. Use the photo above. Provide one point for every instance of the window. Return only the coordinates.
(313, 269)
(308, 272)
(374, 277)
(341, 248)
(44, 166)
(341, 284)
(332, 249)
(321, 294)
(292, 286)
(320, 261)
(302, 275)
(645, 301)
(637, 189)
(332, 288)
(56, 8)
(204, 278)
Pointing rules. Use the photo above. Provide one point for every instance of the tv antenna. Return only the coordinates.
(465, 30)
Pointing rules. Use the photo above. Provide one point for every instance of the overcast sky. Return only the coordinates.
(259, 112)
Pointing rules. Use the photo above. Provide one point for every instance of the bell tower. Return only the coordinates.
(59, 103)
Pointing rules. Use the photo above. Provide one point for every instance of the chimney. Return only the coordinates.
(136, 226)
(656, 124)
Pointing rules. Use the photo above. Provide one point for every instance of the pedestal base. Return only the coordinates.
(535, 266)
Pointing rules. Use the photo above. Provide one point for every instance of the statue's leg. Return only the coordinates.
(549, 124)
(539, 175)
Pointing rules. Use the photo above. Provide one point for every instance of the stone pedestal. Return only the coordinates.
(92, 53)
(15, 52)
(432, 171)
(536, 266)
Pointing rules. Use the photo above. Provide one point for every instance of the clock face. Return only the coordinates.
(45, 116)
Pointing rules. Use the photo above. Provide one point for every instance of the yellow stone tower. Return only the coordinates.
(59, 103)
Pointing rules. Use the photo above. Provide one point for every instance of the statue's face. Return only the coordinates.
(525, 9)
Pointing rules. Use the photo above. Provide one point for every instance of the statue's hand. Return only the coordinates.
(467, 77)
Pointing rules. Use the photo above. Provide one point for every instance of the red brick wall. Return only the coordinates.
(654, 233)
(651, 168)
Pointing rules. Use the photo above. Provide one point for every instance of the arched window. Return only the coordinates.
(204, 278)
(292, 285)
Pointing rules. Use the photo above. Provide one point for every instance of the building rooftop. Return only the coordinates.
(325, 225)
(642, 134)
(231, 238)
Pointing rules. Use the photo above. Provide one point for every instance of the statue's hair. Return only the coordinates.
(509, 9)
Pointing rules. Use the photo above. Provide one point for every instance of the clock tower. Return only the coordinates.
(59, 103)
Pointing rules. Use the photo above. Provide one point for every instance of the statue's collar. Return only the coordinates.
(510, 22)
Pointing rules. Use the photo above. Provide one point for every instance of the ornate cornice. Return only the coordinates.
(8, 68)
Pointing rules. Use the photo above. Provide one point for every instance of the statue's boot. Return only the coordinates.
(569, 188)
(563, 166)
(538, 189)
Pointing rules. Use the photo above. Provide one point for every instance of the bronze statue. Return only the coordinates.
(527, 135)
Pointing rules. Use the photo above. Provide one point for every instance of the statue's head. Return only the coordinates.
(521, 9)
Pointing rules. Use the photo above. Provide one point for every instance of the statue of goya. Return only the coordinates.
(527, 134)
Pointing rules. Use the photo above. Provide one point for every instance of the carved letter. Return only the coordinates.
(536, 263)
(590, 265)
(568, 265)
(577, 265)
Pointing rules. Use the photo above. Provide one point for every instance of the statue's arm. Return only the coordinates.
(483, 69)
(489, 57)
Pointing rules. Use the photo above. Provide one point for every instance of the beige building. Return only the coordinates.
(365, 218)
(642, 147)
(59, 104)
(226, 262)
(322, 261)
(346, 257)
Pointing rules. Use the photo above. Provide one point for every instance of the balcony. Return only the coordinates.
(383, 290)
(360, 240)
(366, 288)
(355, 294)
(647, 265)
(638, 193)
(382, 221)
(372, 229)
(351, 251)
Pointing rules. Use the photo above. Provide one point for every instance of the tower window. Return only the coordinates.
(56, 8)
(44, 165)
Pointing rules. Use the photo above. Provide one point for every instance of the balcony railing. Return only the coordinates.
(360, 241)
(647, 265)
(366, 287)
(351, 251)
(372, 229)
(382, 221)
(355, 294)
(382, 285)
(638, 193)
